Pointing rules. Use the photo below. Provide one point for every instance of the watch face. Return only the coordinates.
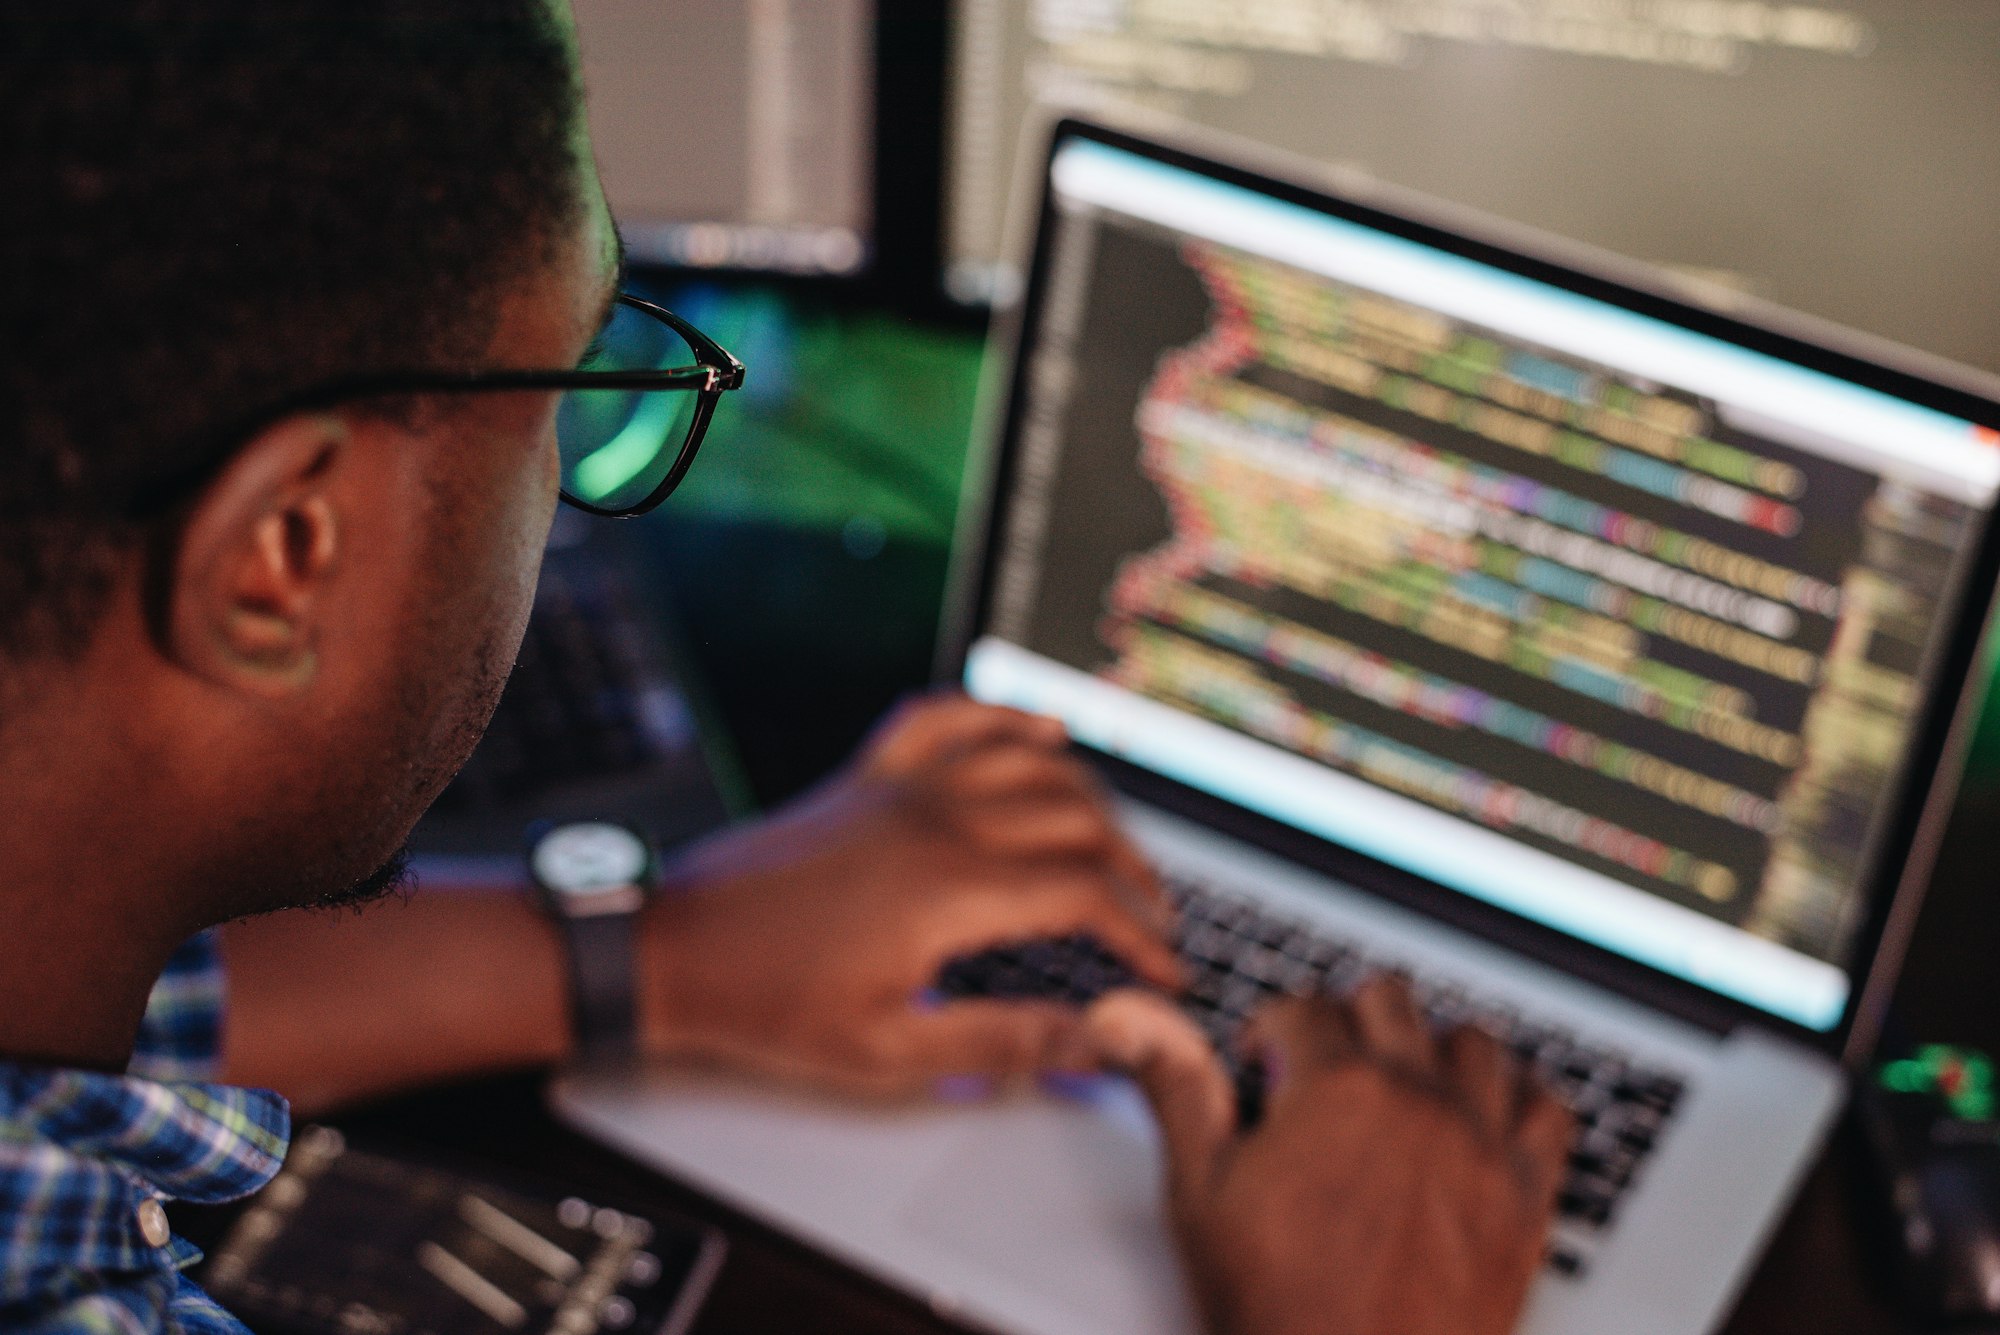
(589, 858)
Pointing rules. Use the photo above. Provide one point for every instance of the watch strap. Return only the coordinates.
(603, 999)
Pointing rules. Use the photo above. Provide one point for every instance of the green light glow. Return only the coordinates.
(1906, 1077)
(627, 455)
(1961, 1077)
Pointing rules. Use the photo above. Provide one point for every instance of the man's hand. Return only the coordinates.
(1399, 1184)
(803, 945)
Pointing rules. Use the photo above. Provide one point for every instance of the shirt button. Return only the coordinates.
(153, 1224)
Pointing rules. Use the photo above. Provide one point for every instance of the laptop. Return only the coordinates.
(1442, 601)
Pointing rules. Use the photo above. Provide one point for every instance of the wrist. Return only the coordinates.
(669, 966)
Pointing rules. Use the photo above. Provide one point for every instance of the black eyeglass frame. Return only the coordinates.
(714, 374)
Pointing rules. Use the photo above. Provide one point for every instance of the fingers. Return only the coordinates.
(1486, 1078)
(1059, 898)
(1117, 925)
(1294, 1037)
(1391, 1027)
(1298, 1033)
(1021, 800)
(929, 728)
(1148, 1038)
(1006, 766)
(1512, 1108)
(1001, 1040)
(1002, 780)
(1542, 1142)
(1379, 1022)
(1034, 827)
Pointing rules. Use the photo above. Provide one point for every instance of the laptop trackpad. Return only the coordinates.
(1063, 1207)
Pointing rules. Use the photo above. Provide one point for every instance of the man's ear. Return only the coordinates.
(256, 559)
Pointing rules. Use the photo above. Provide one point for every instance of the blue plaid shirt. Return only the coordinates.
(82, 1152)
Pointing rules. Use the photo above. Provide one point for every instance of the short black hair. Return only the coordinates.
(209, 205)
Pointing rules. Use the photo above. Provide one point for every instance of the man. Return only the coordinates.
(250, 624)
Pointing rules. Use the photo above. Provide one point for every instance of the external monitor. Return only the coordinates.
(735, 134)
(1836, 157)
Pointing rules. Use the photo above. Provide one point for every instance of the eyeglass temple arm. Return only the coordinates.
(706, 350)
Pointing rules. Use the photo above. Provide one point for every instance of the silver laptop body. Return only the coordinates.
(1593, 658)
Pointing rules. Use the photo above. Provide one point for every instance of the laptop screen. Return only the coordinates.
(1620, 626)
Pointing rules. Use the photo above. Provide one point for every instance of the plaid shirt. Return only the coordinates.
(81, 1153)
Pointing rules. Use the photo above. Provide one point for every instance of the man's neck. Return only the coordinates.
(72, 987)
(91, 906)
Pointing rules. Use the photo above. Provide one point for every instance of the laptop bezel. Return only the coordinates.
(1929, 780)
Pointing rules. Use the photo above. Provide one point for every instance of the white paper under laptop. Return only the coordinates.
(1589, 657)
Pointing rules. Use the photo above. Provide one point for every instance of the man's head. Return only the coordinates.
(292, 635)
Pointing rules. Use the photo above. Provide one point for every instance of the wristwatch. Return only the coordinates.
(594, 877)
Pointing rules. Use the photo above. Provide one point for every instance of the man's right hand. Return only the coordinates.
(1398, 1184)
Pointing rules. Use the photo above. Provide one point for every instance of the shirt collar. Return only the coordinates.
(81, 1151)
(193, 1142)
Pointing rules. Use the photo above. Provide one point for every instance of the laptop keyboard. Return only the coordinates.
(1240, 955)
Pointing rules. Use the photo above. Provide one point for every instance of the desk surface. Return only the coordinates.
(1817, 1278)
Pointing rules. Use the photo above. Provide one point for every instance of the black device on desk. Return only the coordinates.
(1929, 1120)
(349, 1242)
(602, 719)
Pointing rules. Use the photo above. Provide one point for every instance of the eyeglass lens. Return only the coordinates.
(618, 445)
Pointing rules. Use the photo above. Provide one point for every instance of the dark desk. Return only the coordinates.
(1824, 1270)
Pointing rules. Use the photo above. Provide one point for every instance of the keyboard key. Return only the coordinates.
(1566, 1261)
(1299, 945)
(1274, 932)
(1583, 1206)
(1614, 1170)
(1447, 1005)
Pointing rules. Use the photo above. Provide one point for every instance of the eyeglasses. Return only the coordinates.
(628, 424)
(634, 412)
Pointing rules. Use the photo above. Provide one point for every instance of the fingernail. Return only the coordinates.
(1115, 1041)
